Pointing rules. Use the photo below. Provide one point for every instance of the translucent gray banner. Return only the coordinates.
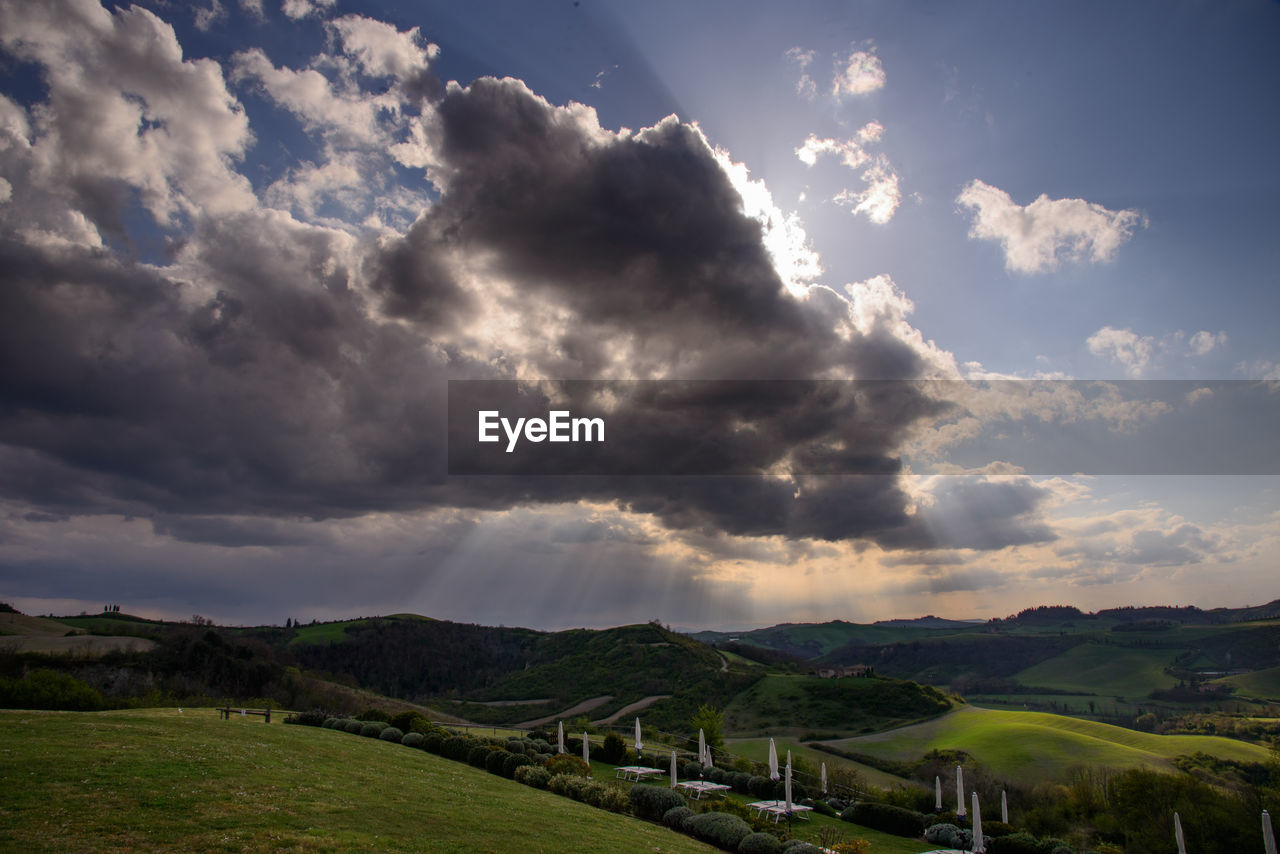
(864, 427)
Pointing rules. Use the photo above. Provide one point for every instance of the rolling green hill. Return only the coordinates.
(1032, 747)
(1105, 670)
(796, 705)
(156, 780)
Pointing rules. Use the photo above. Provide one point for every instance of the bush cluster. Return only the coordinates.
(512, 761)
(533, 775)
(1025, 843)
(896, 820)
(590, 792)
(653, 801)
(676, 817)
(565, 763)
(799, 846)
(948, 836)
(719, 829)
(372, 729)
(759, 843)
(315, 717)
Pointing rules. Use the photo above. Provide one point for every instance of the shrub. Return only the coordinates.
(759, 843)
(565, 763)
(720, 829)
(945, 836)
(353, 726)
(512, 761)
(373, 729)
(716, 775)
(493, 762)
(760, 787)
(1014, 843)
(689, 770)
(996, 828)
(456, 747)
(850, 846)
(315, 717)
(836, 804)
(479, 754)
(568, 785)
(654, 801)
(49, 689)
(615, 800)
(613, 750)
(413, 739)
(433, 743)
(374, 715)
(542, 745)
(532, 775)
(799, 846)
(896, 820)
(824, 808)
(675, 818)
(391, 734)
(740, 780)
(329, 722)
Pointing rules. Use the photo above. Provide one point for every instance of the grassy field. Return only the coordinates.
(149, 780)
(1260, 684)
(1035, 746)
(757, 749)
(1105, 670)
(155, 780)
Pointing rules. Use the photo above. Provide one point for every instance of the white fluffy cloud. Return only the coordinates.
(127, 110)
(1038, 237)
(1123, 346)
(299, 9)
(880, 200)
(861, 73)
(1139, 353)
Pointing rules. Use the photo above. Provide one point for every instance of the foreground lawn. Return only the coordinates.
(1037, 746)
(152, 779)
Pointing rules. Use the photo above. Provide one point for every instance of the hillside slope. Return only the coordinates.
(156, 780)
(1034, 746)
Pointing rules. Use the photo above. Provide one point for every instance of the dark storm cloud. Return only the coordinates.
(286, 370)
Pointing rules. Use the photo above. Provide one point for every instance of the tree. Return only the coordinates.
(710, 720)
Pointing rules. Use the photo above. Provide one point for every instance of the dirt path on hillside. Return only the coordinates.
(580, 709)
(632, 709)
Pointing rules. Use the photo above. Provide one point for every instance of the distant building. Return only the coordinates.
(841, 672)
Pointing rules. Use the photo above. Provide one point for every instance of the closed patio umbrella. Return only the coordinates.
(979, 844)
(702, 749)
(673, 769)
(586, 750)
(1004, 807)
(960, 811)
(937, 793)
(773, 760)
(787, 785)
(639, 743)
(560, 737)
(1177, 834)
(824, 778)
(1268, 834)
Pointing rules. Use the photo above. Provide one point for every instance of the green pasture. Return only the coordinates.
(1105, 670)
(156, 780)
(1260, 684)
(1032, 747)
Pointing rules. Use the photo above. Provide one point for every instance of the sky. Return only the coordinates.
(980, 297)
